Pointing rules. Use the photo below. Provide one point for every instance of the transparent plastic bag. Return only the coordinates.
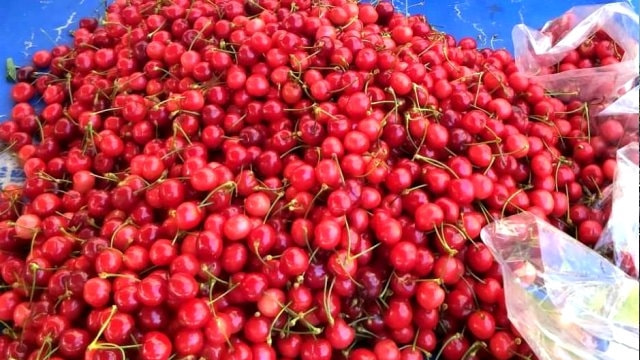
(10, 170)
(620, 237)
(624, 105)
(566, 300)
(537, 49)
(623, 110)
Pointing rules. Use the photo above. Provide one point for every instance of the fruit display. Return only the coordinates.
(279, 179)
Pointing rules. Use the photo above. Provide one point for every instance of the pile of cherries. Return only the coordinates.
(598, 50)
(263, 179)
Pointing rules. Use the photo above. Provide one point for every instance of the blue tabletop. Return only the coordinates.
(29, 25)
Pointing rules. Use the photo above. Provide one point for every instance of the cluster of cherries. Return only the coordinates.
(598, 50)
(264, 179)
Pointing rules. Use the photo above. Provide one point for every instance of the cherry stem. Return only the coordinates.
(383, 102)
(229, 185)
(8, 147)
(566, 189)
(205, 270)
(414, 346)
(292, 150)
(453, 338)
(8, 329)
(385, 291)
(314, 330)
(273, 323)
(49, 354)
(107, 176)
(346, 225)
(273, 205)
(323, 188)
(177, 128)
(477, 278)
(199, 34)
(231, 288)
(104, 275)
(365, 333)
(473, 293)
(103, 327)
(325, 299)
(511, 197)
(115, 232)
(443, 242)
(33, 267)
(365, 251)
(436, 163)
(473, 349)
(561, 93)
(44, 176)
(435, 280)
(335, 158)
(407, 121)
(462, 230)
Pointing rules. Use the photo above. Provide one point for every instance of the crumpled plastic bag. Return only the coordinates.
(627, 104)
(536, 49)
(565, 300)
(10, 170)
(623, 110)
(619, 239)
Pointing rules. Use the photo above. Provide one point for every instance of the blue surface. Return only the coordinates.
(29, 25)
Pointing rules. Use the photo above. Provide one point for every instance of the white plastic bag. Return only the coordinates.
(623, 110)
(620, 237)
(537, 49)
(566, 300)
(624, 105)
(10, 170)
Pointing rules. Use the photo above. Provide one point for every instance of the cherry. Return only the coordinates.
(327, 234)
(182, 286)
(459, 304)
(188, 215)
(189, 342)
(193, 314)
(119, 328)
(73, 343)
(502, 345)
(455, 348)
(96, 292)
(386, 349)
(589, 231)
(152, 291)
(9, 300)
(156, 346)
(398, 315)
(481, 324)
(403, 256)
(479, 258)
(428, 216)
(448, 269)
(237, 227)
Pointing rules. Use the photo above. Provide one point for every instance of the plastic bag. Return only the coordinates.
(620, 237)
(623, 110)
(10, 170)
(566, 300)
(535, 50)
(627, 104)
